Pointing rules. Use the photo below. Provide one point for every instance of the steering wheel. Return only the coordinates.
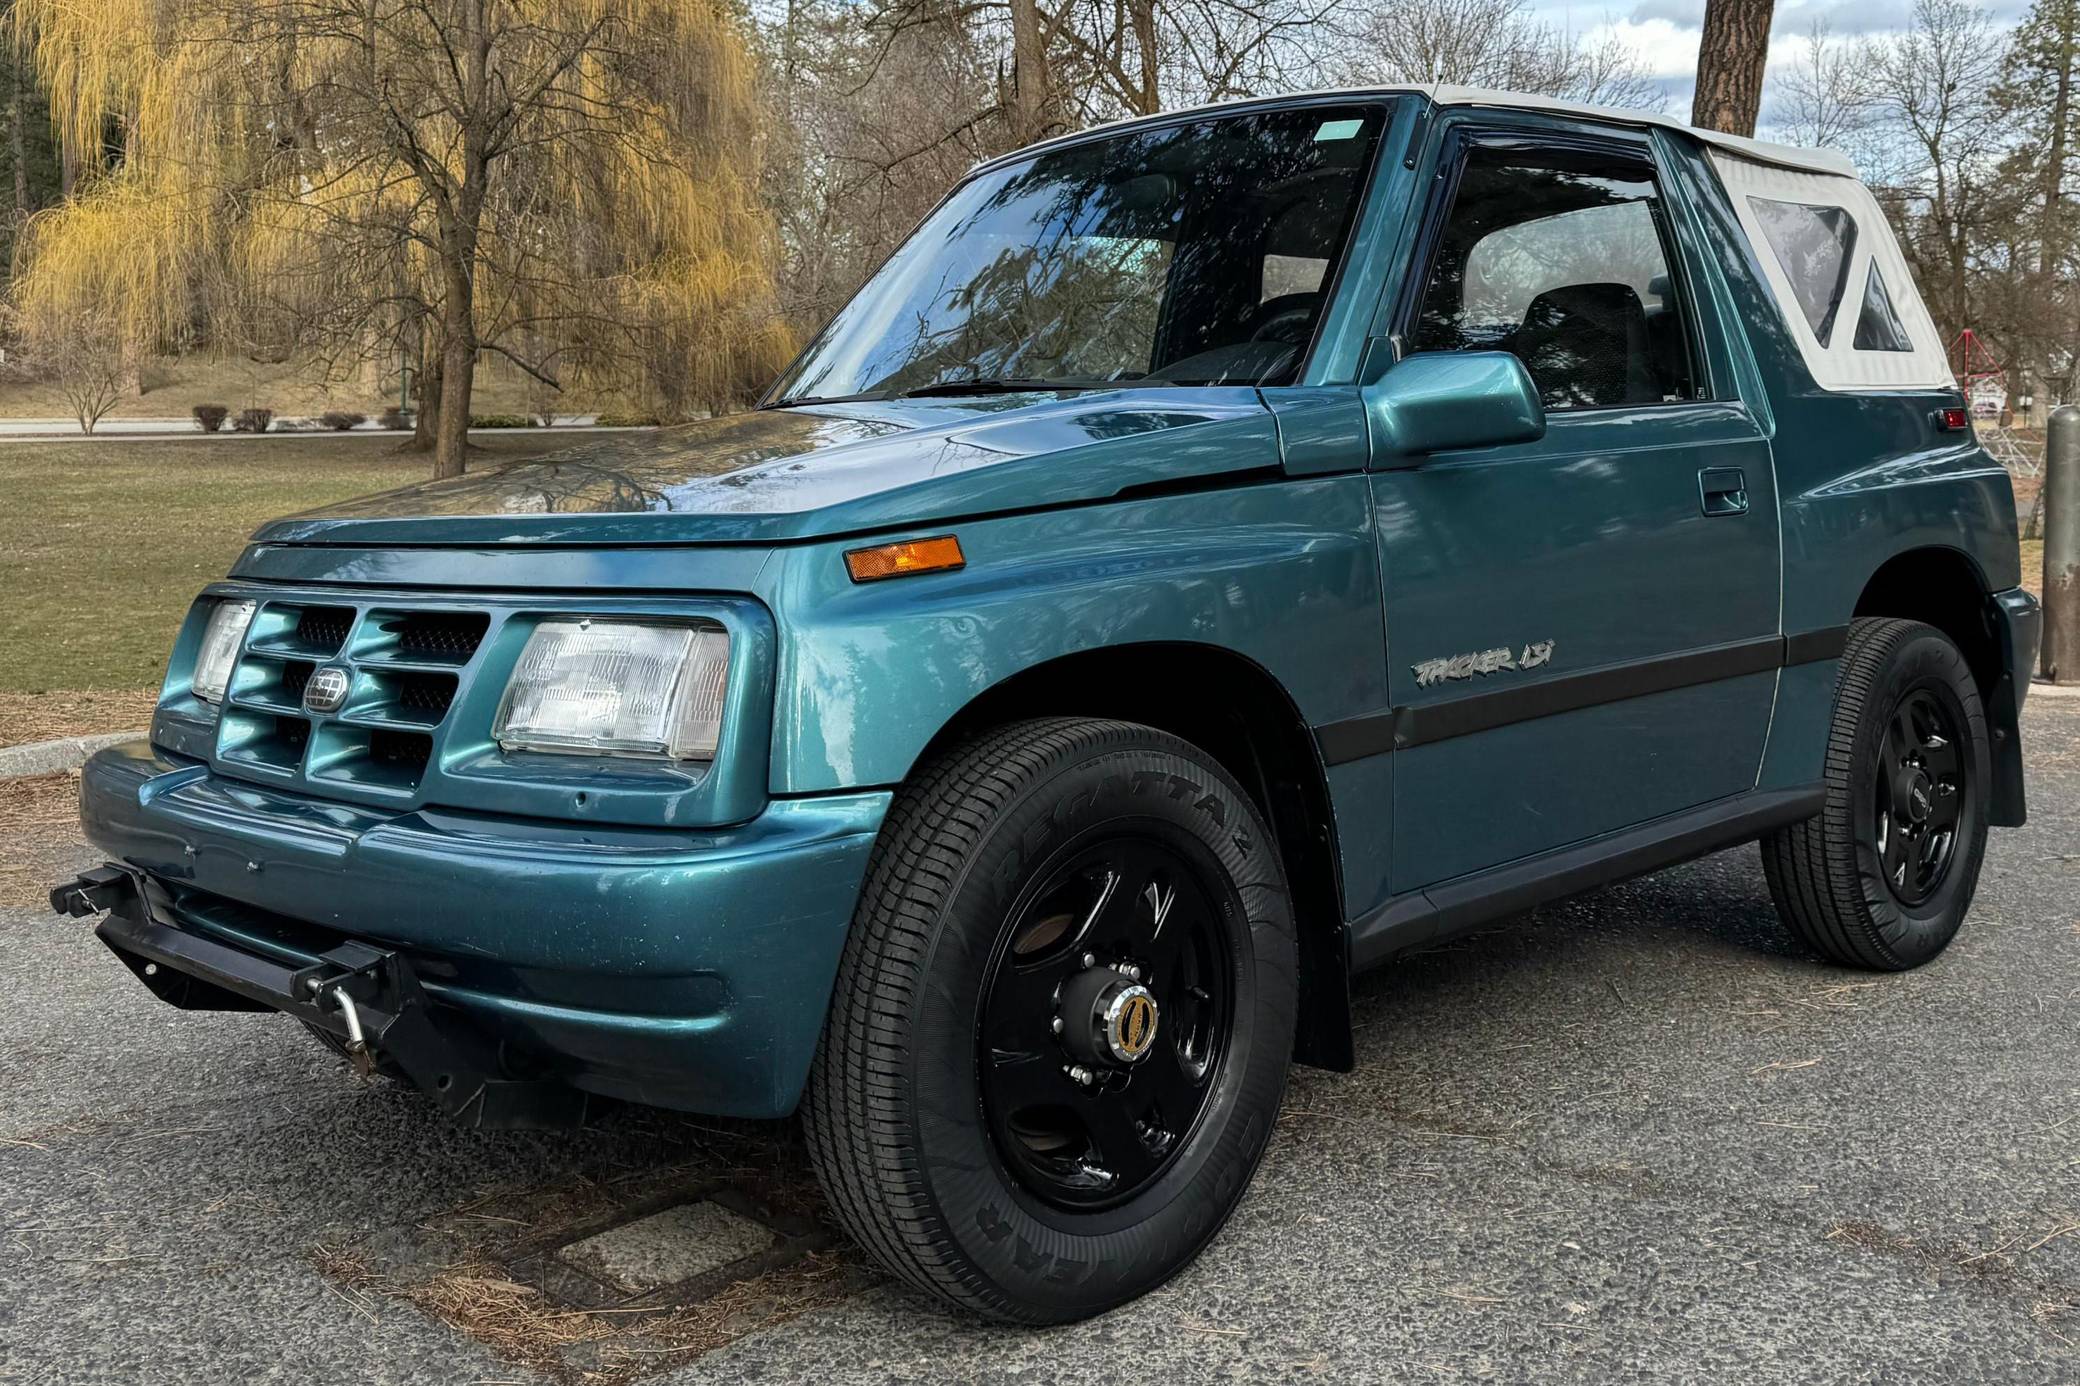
(1285, 318)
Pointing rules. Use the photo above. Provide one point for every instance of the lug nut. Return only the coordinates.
(1132, 974)
(1090, 959)
(1082, 1075)
(1058, 1025)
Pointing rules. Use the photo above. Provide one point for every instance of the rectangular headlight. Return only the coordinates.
(220, 641)
(617, 688)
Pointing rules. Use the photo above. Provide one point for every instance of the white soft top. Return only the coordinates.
(1761, 151)
(1826, 161)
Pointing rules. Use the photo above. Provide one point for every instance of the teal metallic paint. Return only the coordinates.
(680, 949)
(1282, 572)
(678, 965)
(789, 474)
(1451, 403)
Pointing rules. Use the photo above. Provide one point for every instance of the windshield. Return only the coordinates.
(1194, 254)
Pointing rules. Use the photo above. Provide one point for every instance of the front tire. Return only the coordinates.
(1882, 877)
(1062, 1023)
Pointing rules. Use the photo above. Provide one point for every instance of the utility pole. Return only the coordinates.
(2060, 662)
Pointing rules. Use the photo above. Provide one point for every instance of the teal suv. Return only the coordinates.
(1215, 555)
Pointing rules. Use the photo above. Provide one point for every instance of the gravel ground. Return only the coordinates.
(1636, 1137)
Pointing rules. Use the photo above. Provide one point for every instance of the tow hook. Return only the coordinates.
(358, 1052)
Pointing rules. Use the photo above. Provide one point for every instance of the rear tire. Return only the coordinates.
(1882, 876)
(1026, 886)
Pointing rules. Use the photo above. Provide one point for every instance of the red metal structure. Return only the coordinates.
(1974, 363)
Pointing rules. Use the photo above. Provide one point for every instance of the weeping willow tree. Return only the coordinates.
(568, 184)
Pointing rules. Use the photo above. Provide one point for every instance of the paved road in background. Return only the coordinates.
(1639, 1137)
(185, 427)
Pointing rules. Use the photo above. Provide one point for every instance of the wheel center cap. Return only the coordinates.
(1919, 798)
(1128, 1023)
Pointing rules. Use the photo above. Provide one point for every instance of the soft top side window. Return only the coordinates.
(1814, 245)
(1878, 327)
(1561, 259)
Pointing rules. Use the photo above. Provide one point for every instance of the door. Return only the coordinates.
(1581, 630)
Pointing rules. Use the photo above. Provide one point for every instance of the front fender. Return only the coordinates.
(1284, 572)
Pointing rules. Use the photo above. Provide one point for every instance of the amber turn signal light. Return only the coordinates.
(937, 554)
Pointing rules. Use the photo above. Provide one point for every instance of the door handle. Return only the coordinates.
(1722, 491)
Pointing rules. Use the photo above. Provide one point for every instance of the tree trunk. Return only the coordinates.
(17, 140)
(426, 389)
(1730, 59)
(2051, 236)
(1032, 93)
(1143, 15)
(451, 430)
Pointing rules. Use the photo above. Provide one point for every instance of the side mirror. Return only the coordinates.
(1439, 401)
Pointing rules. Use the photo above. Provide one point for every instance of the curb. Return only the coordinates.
(2040, 689)
(49, 757)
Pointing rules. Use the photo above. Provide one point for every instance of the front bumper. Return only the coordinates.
(684, 969)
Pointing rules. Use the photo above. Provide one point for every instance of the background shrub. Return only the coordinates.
(394, 418)
(340, 421)
(210, 417)
(501, 421)
(254, 420)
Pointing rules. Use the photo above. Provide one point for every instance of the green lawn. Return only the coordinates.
(103, 545)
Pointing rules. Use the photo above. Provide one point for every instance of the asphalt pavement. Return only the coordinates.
(1639, 1136)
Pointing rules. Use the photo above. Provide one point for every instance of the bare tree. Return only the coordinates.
(1932, 86)
(1731, 54)
(1824, 97)
(1490, 43)
(84, 357)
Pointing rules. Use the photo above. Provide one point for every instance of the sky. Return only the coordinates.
(1665, 32)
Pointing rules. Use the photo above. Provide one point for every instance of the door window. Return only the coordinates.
(1566, 266)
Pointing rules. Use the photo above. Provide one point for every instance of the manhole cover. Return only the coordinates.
(667, 1248)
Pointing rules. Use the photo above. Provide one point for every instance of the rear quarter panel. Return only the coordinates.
(1861, 478)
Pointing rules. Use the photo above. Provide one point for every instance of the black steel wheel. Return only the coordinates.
(1061, 1027)
(1883, 875)
(1106, 1016)
(1919, 793)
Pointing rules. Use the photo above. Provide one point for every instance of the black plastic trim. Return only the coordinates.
(1439, 912)
(460, 1069)
(1399, 728)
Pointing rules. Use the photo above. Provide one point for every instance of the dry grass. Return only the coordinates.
(102, 546)
(526, 1327)
(27, 717)
(516, 1321)
(2033, 565)
(39, 822)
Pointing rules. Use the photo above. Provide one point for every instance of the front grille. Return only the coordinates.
(404, 669)
(449, 637)
(323, 629)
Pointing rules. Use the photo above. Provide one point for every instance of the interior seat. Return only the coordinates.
(1586, 346)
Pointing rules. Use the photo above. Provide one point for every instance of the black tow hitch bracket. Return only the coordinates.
(368, 997)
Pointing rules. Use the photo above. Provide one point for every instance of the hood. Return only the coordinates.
(782, 474)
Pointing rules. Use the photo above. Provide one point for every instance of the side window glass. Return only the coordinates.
(1878, 327)
(1813, 244)
(1566, 267)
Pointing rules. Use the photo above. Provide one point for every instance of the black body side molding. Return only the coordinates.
(1399, 728)
(1449, 908)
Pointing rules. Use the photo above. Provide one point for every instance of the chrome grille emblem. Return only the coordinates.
(326, 690)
